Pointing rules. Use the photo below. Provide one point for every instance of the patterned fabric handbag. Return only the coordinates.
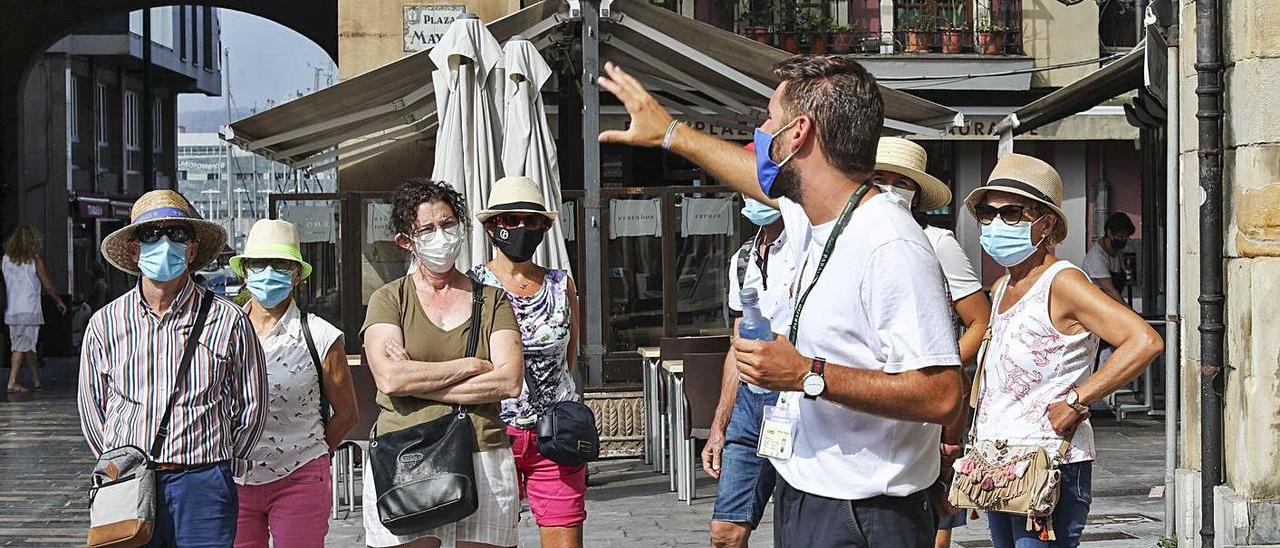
(997, 477)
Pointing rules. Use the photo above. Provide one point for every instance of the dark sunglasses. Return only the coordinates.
(1011, 214)
(258, 266)
(177, 234)
(516, 220)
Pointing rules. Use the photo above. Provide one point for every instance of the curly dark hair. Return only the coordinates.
(415, 192)
(844, 102)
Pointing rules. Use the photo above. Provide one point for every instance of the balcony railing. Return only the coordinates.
(990, 27)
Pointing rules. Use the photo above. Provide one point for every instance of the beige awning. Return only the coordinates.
(1120, 76)
(700, 70)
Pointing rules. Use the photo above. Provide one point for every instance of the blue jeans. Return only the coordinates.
(1010, 531)
(746, 480)
(196, 508)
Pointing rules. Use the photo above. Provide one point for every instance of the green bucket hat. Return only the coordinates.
(271, 239)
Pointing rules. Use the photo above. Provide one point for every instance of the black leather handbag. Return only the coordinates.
(567, 431)
(424, 475)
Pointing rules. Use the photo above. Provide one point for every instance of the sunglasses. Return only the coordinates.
(258, 266)
(1011, 214)
(177, 234)
(515, 220)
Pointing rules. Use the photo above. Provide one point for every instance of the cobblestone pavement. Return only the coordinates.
(45, 466)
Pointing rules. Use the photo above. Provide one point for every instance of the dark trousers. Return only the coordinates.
(802, 520)
(196, 508)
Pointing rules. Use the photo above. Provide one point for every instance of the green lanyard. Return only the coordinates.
(826, 254)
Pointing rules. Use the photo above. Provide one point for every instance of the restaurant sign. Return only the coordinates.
(425, 25)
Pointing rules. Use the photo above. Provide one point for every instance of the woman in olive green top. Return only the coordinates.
(415, 337)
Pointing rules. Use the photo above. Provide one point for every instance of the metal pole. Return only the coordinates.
(594, 263)
(1209, 96)
(148, 114)
(226, 94)
(1172, 288)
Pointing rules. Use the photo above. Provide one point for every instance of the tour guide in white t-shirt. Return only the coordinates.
(876, 355)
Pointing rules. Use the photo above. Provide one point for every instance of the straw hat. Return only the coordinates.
(157, 206)
(907, 158)
(515, 195)
(271, 239)
(1027, 177)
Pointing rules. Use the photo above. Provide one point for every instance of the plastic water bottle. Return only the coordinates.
(754, 325)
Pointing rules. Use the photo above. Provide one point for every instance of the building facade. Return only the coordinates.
(87, 115)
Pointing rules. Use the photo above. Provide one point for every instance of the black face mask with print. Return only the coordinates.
(518, 244)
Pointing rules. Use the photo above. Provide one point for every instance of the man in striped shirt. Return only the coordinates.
(130, 360)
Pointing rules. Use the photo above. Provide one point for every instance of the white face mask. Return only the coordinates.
(907, 196)
(439, 249)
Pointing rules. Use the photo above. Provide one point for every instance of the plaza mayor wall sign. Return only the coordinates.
(424, 25)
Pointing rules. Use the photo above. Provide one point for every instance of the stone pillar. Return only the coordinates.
(1247, 507)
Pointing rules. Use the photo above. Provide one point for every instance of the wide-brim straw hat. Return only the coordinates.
(1028, 177)
(515, 195)
(909, 159)
(157, 206)
(271, 239)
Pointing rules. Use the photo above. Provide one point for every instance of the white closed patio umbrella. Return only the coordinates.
(528, 148)
(468, 85)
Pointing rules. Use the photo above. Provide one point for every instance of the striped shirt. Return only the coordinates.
(128, 364)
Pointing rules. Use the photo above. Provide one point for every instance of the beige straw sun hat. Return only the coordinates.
(1028, 177)
(154, 207)
(515, 195)
(271, 239)
(909, 159)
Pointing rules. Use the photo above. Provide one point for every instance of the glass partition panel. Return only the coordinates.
(381, 260)
(317, 222)
(711, 231)
(633, 289)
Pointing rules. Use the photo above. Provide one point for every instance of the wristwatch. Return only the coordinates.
(1073, 400)
(814, 384)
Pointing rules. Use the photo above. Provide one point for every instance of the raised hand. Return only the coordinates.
(649, 120)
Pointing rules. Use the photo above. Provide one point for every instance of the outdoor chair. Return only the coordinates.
(675, 348)
(703, 373)
(343, 465)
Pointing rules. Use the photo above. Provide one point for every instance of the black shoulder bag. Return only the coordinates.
(424, 475)
(325, 410)
(566, 431)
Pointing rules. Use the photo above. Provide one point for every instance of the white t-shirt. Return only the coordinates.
(775, 300)
(961, 278)
(879, 305)
(1098, 265)
(292, 435)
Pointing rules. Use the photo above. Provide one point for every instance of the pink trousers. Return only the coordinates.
(292, 511)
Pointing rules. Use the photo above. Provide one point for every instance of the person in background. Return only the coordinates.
(1036, 384)
(747, 480)
(1102, 262)
(415, 337)
(900, 170)
(129, 364)
(24, 277)
(285, 496)
(546, 307)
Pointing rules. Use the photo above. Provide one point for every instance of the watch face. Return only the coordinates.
(1072, 397)
(814, 385)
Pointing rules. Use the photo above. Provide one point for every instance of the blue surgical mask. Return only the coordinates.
(162, 260)
(269, 286)
(1008, 244)
(766, 168)
(758, 213)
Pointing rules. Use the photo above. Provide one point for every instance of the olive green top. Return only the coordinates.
(397, 304)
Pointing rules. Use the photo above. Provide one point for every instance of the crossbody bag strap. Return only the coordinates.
(188, 352)
(325, 412)
(473, 336)
(983, 350)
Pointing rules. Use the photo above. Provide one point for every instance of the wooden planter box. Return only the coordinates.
(620, 419)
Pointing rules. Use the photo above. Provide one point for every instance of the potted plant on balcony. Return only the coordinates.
(817, 30)
(842, 38)
(917, 26)
(789, 29)
(755, 19)
(951, 31)
(990, 37)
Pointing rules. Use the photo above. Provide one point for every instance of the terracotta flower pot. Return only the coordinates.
(991, 42)
(789, 42)
(818, 44)
(759, 34)
(842, 42)
(917, 41)
(952, 41)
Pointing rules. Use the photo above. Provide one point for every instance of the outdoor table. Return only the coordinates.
(675, 438)
(654, 428)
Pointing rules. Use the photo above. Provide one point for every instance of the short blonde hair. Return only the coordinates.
(23, 246)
